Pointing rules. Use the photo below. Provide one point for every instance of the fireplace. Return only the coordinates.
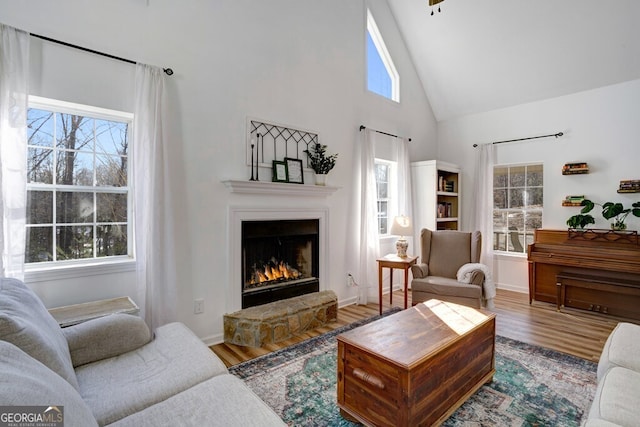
(280, 259)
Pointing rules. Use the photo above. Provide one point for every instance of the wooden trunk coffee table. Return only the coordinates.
(415, 367)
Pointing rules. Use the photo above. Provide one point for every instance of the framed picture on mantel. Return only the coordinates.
(294, 170)
(279, 171)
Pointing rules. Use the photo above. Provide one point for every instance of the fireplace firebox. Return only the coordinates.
(280, 259)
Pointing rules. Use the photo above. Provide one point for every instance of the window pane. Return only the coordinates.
(534, 198)
(39, 244)
(74, 242)
(534, 175)
(500, 231)
(74, 207)
(39, 207)
(382, 173)
(69, 153)
(514, 217)
(517, 176)
(40, 165)
(111, 240)
(533, 220)
(516, 198)
(383, 190)
(111, 137)
(111, 171)
(74, 132)
(83, 169)
(500, 199)
(111, 207)
(500, 177)
(40, 127)
(378, 78)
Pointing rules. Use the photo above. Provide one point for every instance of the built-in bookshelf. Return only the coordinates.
(436, 190)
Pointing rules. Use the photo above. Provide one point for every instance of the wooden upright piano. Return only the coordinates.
(594, 270)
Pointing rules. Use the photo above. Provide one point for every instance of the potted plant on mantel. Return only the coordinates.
(615, 211)
(320, 162)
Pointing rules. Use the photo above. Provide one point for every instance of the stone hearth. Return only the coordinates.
(280, 320)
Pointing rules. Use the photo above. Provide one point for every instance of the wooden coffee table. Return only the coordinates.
(415, 367)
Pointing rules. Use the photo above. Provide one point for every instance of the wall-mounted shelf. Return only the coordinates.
(575, 168)
(629, 186)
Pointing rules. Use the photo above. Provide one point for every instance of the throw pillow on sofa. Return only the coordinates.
(26, 323)
(24, 381)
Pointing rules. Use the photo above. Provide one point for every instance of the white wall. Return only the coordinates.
(294, 62)
(600, 126)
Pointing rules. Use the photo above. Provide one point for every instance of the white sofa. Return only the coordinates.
(112, 371)
(617, 398)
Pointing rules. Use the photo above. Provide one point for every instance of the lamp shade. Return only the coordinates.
(401, 226)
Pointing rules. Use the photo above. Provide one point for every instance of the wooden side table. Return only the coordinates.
(392, 261)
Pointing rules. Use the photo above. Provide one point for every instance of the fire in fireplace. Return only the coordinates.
(279, 260)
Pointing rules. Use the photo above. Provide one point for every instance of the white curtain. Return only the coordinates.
(363, 241)
(404, 177)
(483, 219)
(154, 217)
(14, 92)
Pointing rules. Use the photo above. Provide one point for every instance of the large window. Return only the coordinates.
(78, 202)
(382, 77)
(385, 171)
(517, 206)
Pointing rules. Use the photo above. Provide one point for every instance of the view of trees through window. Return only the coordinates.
(77, 186)
(383, 176)
(517, 206)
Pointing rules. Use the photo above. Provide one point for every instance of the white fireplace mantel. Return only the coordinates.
(279, 188)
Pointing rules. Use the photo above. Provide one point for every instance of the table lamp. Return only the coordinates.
(402, 227)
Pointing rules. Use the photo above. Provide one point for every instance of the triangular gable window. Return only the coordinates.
(382, 77)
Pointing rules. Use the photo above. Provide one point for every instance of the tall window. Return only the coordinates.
(517, 206)
(78, 205)
(384, 180)
(382, 77)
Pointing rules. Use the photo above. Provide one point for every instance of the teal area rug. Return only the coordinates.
(533, 386)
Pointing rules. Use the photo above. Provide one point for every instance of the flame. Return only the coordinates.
(272, 271)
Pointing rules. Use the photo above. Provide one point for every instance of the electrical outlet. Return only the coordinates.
(350, 282)
(198, 306)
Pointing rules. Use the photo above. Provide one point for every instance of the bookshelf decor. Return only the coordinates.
(573, 200)
(629, 186)
(575, 168)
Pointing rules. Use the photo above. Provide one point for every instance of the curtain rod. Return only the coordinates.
(363, 127)
(524, 139)
(168, 71)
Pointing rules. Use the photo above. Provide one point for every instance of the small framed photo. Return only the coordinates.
(280, 172)
(294, 170)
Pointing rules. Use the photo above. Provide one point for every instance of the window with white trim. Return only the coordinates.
(385, 171)
(517, 206)
(78, 193)
(382, 76)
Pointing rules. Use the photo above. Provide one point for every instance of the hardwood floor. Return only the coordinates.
(575, 332)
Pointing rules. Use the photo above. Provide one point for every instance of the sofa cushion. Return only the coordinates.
(105, 337)
(621, 349)
(120, 386)
(26, 323)
(24, 381)
(443, 286)
(617, 397)
(220, 401)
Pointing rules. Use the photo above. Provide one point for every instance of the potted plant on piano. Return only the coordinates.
(612, 211)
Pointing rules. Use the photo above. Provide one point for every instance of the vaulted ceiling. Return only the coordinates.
(476, 56)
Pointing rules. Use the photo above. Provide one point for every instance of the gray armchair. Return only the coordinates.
(443, 253)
